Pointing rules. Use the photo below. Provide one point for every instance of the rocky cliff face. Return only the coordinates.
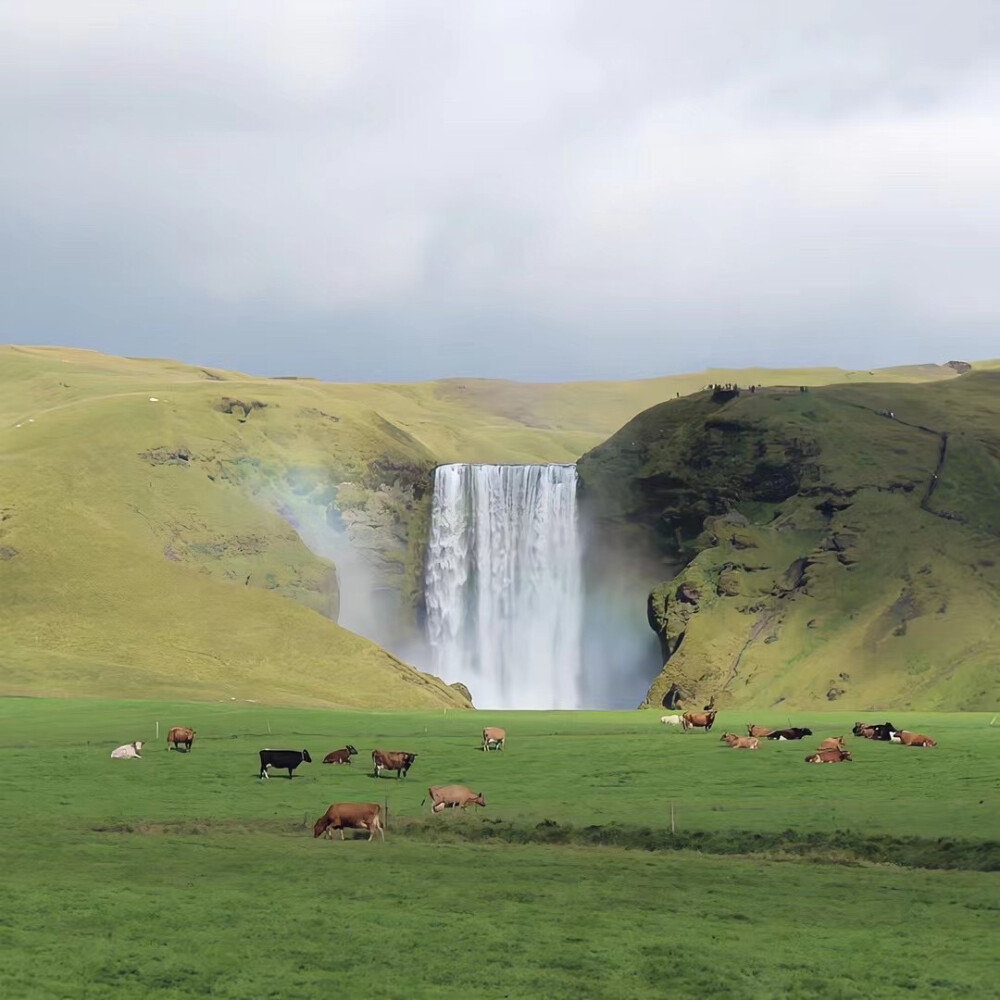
(817, 546)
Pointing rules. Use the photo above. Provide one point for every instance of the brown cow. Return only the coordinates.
(350, 816)
(342, 756)
(453, 796)
(741, 742)
(698, 720)
(178, 735)
(833, 743)
(829, 757)
(753, 730)
(392, 760)
(493, 738)
(915, 739)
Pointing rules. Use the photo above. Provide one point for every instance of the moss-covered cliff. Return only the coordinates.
(830, 545)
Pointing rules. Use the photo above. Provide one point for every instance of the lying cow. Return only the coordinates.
(874, 731)
(829, 757)
(741, 742)
(698, 720)
(833, 743)
(453, 797)
(342, 756)
(130, 751)
(493, 738)
(392, 760)
(179, 735)
(914, 739)
(795, 733)
(671, 720)
(761, 731)
(350, 816)
(282, 759)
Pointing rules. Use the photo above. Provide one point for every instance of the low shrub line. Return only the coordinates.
(834, 847)
(839, 846)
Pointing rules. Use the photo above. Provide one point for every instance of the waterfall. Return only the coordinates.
(503, 585)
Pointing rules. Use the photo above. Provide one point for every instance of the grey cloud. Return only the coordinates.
(566, 190)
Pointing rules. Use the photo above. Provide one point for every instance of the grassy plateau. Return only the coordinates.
(183, 875)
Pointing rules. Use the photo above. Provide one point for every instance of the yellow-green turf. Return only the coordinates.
(126, 572)
(183, 875)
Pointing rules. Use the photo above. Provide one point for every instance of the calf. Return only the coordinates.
(698, 720)
(392, 760)
(130, 751)
(671, 720)
(753, 730)
(795, 733)
(833, 743)
(829, 757)
(493, 738)
(342, 756)
(741, 742)
(179, 735)
(915, 739)
(350, 816)
(453, 796)
(282, 759)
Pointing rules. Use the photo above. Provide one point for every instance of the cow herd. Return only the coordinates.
(342, 816)
(831, 751)
(367, 816)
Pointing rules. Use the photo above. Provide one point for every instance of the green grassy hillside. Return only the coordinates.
(153, 514)
(817, 549)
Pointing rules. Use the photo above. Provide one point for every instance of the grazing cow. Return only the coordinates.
(342, 756)
(753, 730)
(829, 757)
(795, 733)
(741, 742)
(392, 760)
(698, 720)
(130, 751)
(833, 743)
(453, 796)
(915, 739)
(671, 720)
(179, 735)
(493, 738)
(350, 816)
(282, 759)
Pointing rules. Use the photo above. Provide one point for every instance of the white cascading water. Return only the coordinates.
(504, 584)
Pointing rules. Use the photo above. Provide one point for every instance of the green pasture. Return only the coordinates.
(183, 875)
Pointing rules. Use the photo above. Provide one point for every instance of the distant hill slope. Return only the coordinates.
(173, 530)
(838, 545)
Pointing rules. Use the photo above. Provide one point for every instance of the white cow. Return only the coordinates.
(671, 720)
(130, 751)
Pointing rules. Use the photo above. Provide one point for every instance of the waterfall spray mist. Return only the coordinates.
(503, 588)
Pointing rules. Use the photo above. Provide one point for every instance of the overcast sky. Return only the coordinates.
(539, 190)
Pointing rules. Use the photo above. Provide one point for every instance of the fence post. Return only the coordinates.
(672, 816)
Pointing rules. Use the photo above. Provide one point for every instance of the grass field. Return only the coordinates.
(184, 875)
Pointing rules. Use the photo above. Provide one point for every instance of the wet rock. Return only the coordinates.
(462, 690)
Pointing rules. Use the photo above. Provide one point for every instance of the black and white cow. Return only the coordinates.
(795, 733)
(282, 759)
